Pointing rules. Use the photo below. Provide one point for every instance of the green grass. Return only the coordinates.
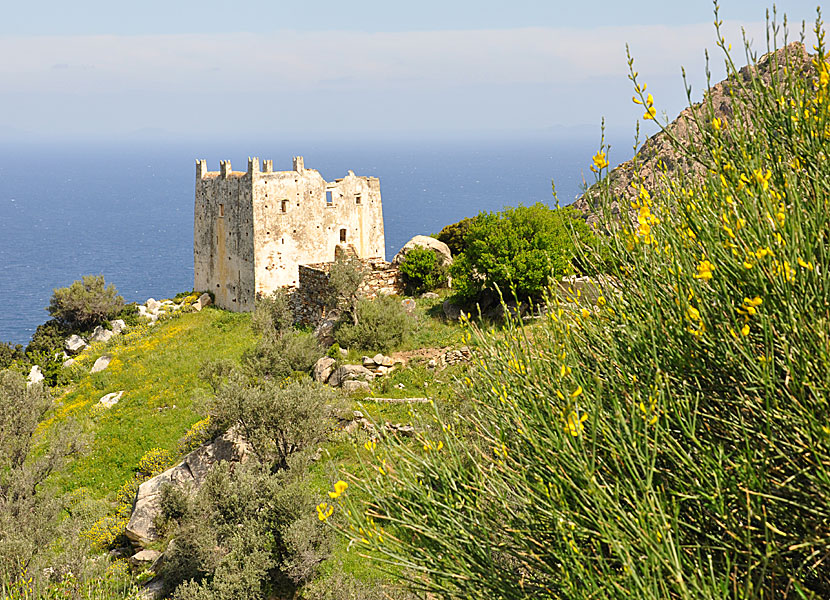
(158, 370)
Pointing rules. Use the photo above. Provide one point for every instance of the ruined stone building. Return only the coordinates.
(254, 228)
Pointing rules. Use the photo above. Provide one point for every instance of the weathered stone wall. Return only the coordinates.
(307, 301)
(223, 236)
(272, 222)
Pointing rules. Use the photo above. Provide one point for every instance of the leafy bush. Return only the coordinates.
(48, 339)
(522, 248)
(222, 552)
(85, 303)
(422, 271)
(272, 313)
(278, 355)
(382, 324)
(10, 353)
(28, 513)
(672, 441)
(278, 419)
(345, 277)
(454, 236)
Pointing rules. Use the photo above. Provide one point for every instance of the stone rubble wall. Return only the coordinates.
(382, 279)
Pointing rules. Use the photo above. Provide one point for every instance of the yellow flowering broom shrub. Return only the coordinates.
(671, 440)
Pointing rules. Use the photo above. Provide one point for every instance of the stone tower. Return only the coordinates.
(252, 229)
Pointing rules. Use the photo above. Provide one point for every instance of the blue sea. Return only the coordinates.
(125, 209)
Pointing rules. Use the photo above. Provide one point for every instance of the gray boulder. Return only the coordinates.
(451, 311)
(441, 250)
(188, 475)
(101, 335)
(144, 557)
(118, 326)
(350, 373)
(35, 376)
(152, 305)
(323, 369)
(354, 386)
(111, 400)
(203, 301)
(74, 344)
(102, 363)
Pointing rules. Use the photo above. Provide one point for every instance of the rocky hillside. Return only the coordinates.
(660, 153)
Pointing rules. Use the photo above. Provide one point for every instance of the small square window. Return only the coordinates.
(357, 199)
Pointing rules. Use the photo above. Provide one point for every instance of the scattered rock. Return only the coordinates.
(152, 305)
(74, 344)
(110, 400)
(429, 295)
(381, 371)
(368, 362)
(101, 335)
(355, 386)
(397, 400)
(451, 311)
(144, 557)
(400, 386)
(350, 373)
(118, 326)
(35, 376)
(323, 369)
(68, 362)
(432, 363)
(187, 475)
(344, 352)
(441, 250)
(152, 590)
(407, 430)
(325, 331)
(102, 363)
(408, 305)
(203, 301)
(378, 358)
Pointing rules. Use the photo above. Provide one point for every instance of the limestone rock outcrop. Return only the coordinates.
(441, 250)
(74, 344)
(102, 363)
(188, 475)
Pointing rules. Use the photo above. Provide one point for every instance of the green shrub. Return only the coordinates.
(278, 419)
(85, 303)
(672, 441)
(223, 552)
(10, 353)
(454, 236)
(521, 249)
(422, 271)
(278, 355)
(345, 277)
(382, 324)
(272, 313)
(48, 339)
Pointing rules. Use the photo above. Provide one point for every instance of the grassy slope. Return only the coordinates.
(158, 367)
(158, 370)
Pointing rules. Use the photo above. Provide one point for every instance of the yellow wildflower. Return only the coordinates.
(717, 124)
(693, 314)
(324, 511)
(704, 270)
(370, 445)
(745, 330)
(574, 423)
(339, 488)
(599, 162)
(805, 265)
(577, 392)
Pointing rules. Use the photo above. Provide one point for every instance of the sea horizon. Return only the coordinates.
(124, 209)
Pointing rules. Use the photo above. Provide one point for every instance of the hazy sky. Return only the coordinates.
(336, 69)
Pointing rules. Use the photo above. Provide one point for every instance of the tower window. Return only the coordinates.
(221, 210)
(342, 235)
(329, 199)
(284, 205)
(357, 199)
